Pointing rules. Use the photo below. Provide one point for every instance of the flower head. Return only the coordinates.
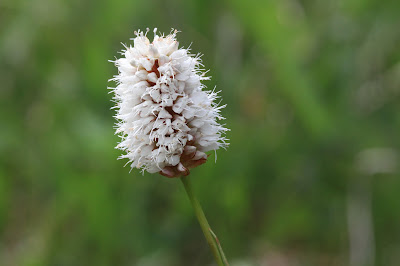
(166, 121)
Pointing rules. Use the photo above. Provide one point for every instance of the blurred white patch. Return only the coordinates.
(377, 161)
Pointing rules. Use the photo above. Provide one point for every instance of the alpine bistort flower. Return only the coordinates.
(166, 121)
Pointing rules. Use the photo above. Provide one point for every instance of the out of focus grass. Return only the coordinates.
(312, 173)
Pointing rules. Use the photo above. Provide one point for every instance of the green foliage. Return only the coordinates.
(311, 87)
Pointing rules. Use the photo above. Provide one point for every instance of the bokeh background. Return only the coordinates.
(312, 173)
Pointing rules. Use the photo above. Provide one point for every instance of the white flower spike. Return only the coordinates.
(166, 121)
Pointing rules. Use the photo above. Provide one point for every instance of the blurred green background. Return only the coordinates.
(312, 173)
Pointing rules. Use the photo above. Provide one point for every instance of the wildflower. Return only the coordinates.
(166, 121)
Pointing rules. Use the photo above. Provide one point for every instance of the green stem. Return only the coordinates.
(212, 242)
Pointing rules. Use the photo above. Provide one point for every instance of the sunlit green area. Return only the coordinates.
(311, 176)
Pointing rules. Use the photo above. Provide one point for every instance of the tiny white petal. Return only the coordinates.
(153, 51)
(152, 77)
(142, 74)
(163, 60)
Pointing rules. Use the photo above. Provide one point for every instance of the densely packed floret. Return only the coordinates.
(166, 121)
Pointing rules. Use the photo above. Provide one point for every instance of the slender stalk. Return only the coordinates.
(205, 227)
